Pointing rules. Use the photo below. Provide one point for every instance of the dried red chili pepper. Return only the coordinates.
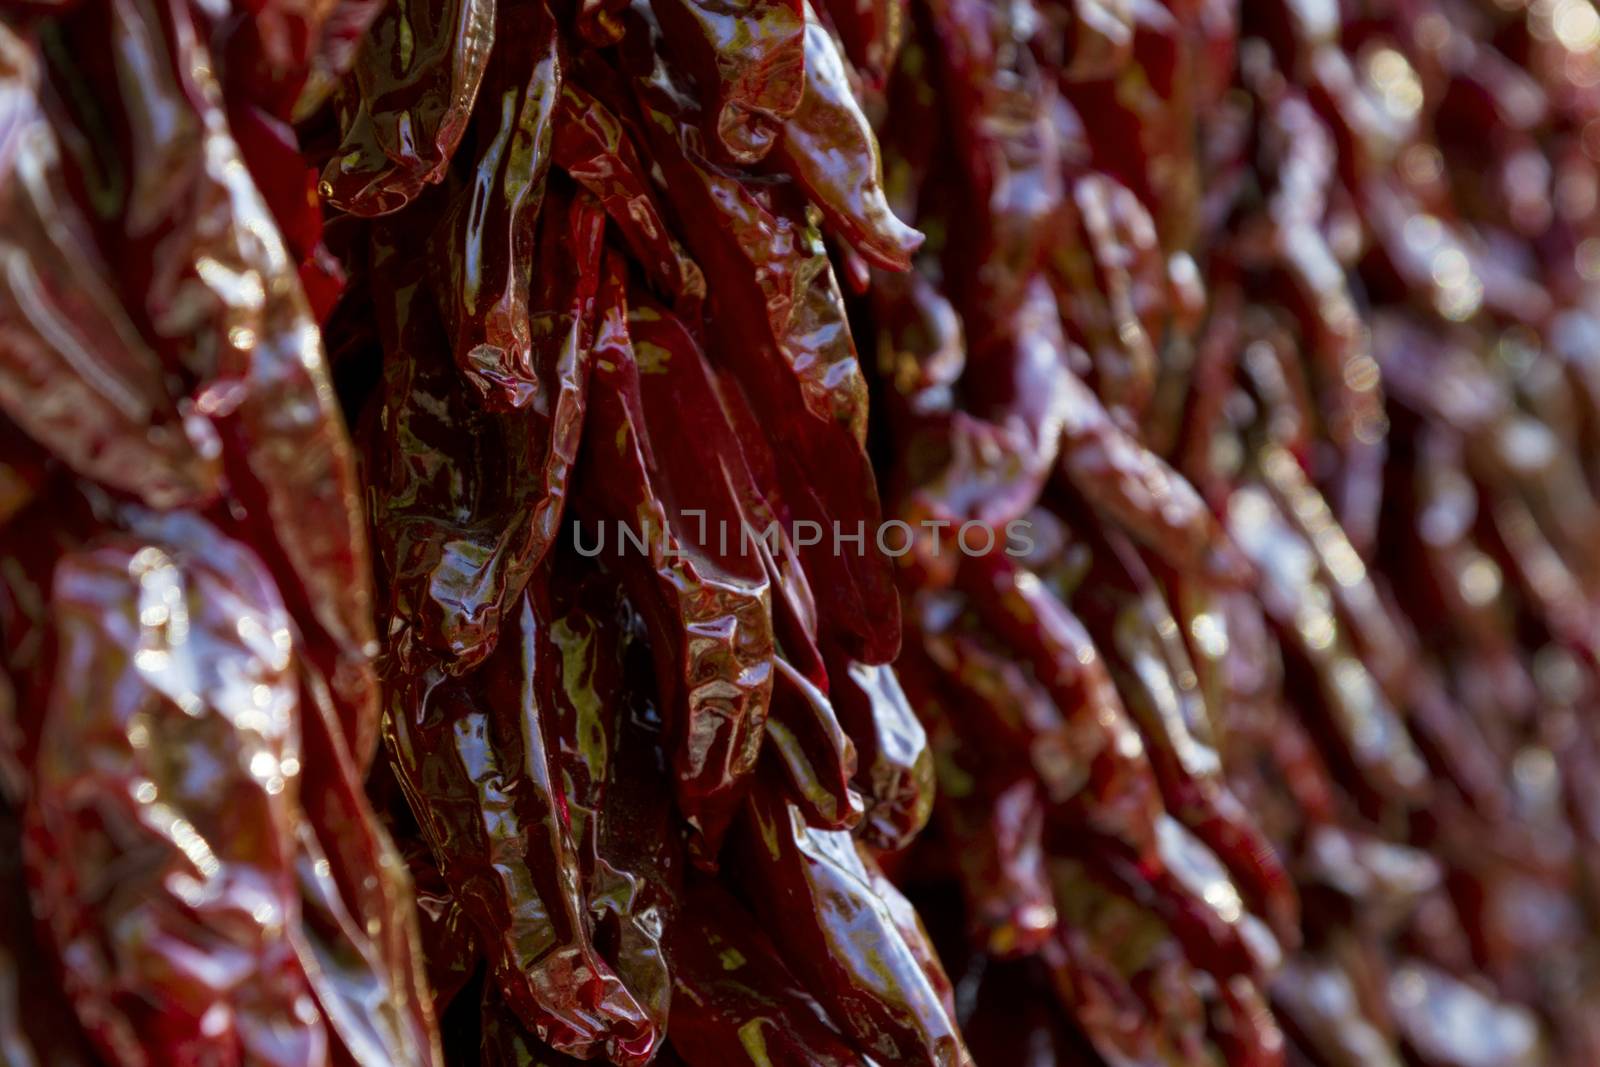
(894, 765)
(751, 63)
(1265, 324)
(494, 814)
(512, 313)
(816, 895)
(781, 326)
(459, 541)
(818, 756)
(406, 102)
(209, 674)
(734, 1000)
(829, 149)
(595, 149)
(708, 610)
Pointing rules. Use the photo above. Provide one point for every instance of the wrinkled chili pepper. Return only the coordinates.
(406, 102)
(1217, 690)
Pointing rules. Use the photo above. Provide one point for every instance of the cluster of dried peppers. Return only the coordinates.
(1213, 681)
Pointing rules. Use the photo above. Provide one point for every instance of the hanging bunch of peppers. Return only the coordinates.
(866, 532)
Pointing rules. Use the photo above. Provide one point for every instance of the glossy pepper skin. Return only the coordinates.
(752, 62)
(207, 878)
(1026, 532)
(212, 661)
(183, 217)
(785, 342)
(595, 149)
(502, 837)
(828, 147)
(709, 612)
(111, 422)
(406, 102)
(509, 315)
(894, 766)
(458, 542)
(867, 967)
(731, 983)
